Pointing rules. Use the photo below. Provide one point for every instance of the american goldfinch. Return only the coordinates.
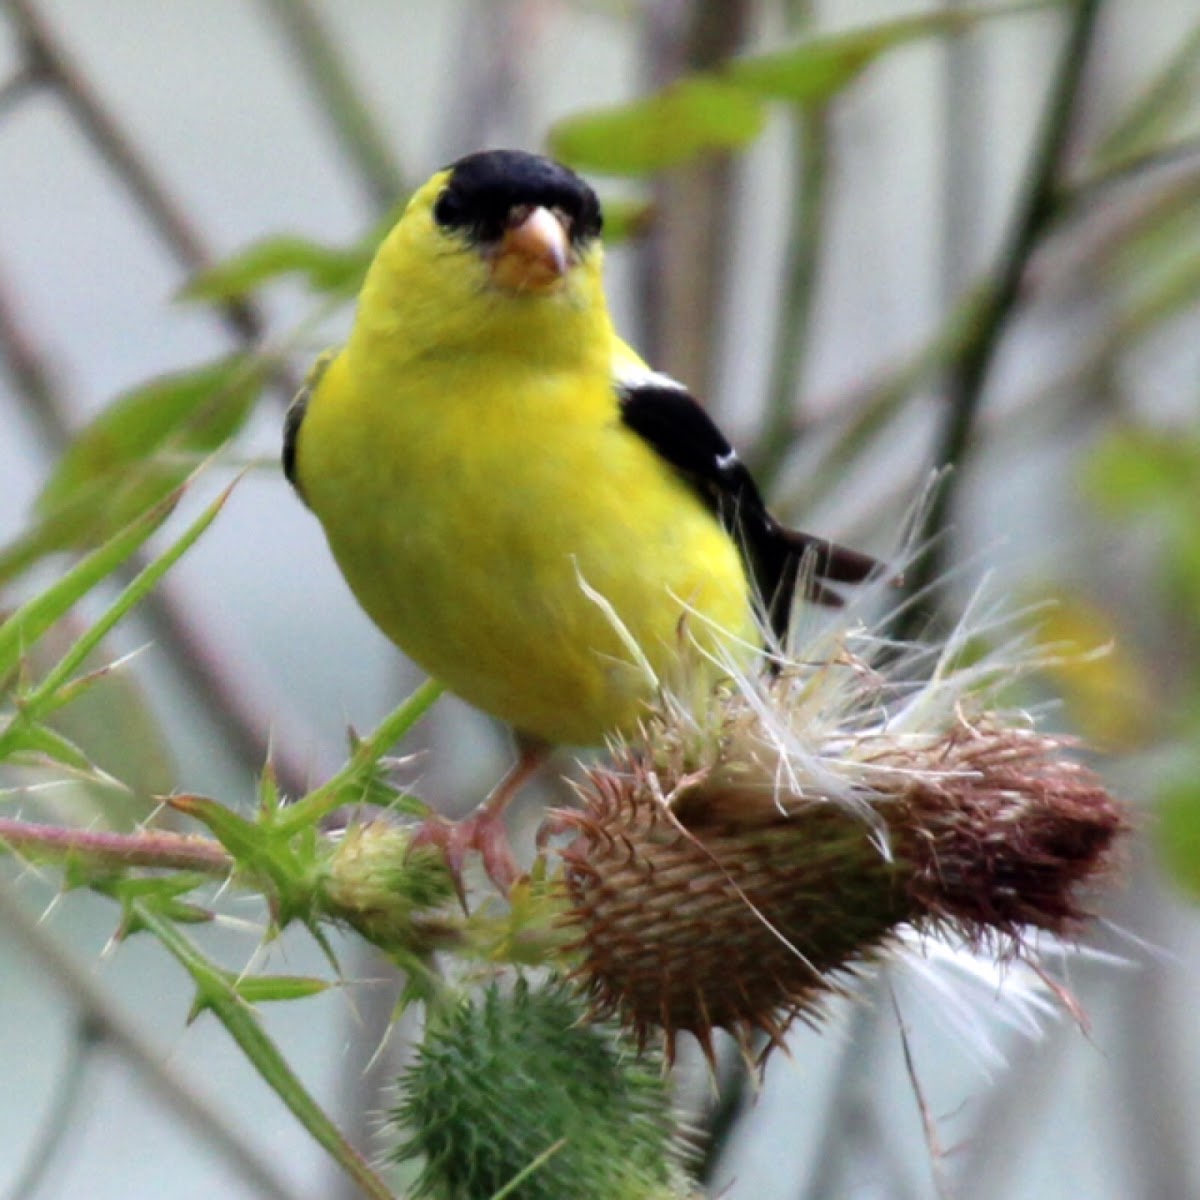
(534, 516)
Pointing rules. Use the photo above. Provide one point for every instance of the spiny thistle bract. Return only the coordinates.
(519, 1074)
(735, 869)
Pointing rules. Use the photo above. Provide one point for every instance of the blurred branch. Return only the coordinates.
(31, 376)
(66, 1104)
(150, 1061)
(353, 122)
(246, 731)
(809, 151)
(368, 1068)
(967, 377)
(1088, 189)
(17, 86)
(724, 1115)
(685, 262)
(851, 1126)
(488, 99)
(51, 62)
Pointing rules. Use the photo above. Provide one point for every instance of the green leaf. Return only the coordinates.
(346, 786)
(330, 270)
(626, 219)
(214, 992)
(1177, 831)
(244, 840)
(138, 894)
(1136, 469)
(141, 448)
(25, 626)
(57, 687)
(692, 117)
(256, 988)
(1172, 291)
(817, 69)
(27, 738)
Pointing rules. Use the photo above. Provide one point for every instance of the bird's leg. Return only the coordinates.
(484, 830)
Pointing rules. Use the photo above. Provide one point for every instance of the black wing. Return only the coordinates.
(295, 418)
(685, 436)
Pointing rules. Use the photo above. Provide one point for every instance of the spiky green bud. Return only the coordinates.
(375, 881)
(518, 1083)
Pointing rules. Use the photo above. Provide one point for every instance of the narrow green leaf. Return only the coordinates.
(1152, 116)
(142, 447)
(815, 70)
(243, 839)
(625, 219)
(164, 894)
(1177, 832)
(49, 693)
(329, 270)
(694, 116)
(256, 988)
(240, 1020)
(343, 787)
(23, 737)
(25, 626)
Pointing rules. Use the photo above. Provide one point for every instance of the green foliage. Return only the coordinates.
(326, 270)
(517, 1077)
(723, 110)
(1177, 829)
(1150, 478)
(133, 457)
(671, 127)
(1142, 474)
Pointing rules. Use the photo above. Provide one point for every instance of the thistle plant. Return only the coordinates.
(735, 869)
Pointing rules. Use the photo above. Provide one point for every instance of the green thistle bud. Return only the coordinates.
(519, 1084)
(389, 892)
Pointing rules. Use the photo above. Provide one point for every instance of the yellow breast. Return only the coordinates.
(514, 538)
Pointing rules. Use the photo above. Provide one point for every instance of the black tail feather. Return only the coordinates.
(780, 558)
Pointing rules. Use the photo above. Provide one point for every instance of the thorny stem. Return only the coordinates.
(59, 1116)
(216, 993)
(357, 132)
(1036, 213)
(161, 849)
(151, 1061)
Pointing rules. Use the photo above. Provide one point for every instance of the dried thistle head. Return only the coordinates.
(734, 870)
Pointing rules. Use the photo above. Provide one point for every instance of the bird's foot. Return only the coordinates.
(485, 833)
(484, 830)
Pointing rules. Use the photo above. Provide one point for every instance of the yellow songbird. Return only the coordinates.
(534, 516)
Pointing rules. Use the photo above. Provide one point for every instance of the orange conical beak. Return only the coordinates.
(533, 254)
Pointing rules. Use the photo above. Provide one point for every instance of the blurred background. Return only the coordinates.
(945, 233)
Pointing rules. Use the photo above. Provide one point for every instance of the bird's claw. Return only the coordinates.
(485, 833)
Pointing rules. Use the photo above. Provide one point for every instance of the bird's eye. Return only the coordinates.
(564, 218)
(448, 211)
(517, 215)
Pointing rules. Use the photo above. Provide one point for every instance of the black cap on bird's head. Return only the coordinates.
(530, 216)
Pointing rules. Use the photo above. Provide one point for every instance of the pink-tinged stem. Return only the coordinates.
(168, 851)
